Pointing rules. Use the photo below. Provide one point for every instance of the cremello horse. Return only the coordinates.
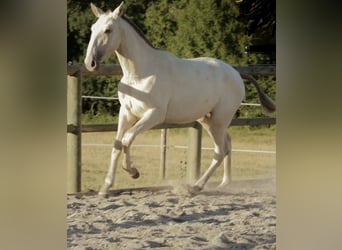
(158, 87)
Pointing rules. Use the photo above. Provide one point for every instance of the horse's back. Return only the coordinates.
(199, 85)
(224, 76)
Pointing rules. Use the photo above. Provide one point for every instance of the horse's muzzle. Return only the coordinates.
(91, 65)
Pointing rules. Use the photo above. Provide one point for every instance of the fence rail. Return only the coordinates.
(114, 69)
(75, 128)
(87, 128)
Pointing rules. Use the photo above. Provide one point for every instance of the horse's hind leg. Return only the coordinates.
(227, 165)
(222, 148)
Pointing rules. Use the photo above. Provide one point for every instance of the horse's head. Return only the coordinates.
(105, 36)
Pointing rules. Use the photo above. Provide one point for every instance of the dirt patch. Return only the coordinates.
(240, 217)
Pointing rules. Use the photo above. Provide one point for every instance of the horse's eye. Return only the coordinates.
(107, 31)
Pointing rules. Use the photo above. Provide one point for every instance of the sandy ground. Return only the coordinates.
(240, 217)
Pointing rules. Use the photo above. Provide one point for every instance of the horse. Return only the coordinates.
(159, 87)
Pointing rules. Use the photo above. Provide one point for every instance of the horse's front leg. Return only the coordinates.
(151, 118)
(116, 152)
(126, 120)
(127, 164)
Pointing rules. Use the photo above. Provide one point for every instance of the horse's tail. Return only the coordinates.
(266, 102)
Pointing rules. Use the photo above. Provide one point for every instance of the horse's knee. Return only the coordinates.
(118, 145)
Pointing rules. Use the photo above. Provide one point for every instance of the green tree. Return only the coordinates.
(260, 18)
(198, 28)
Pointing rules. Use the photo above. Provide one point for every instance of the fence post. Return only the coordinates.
(194, 153)
(74, 109)
(163, 145)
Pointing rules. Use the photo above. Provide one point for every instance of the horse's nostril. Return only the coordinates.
(93, 64)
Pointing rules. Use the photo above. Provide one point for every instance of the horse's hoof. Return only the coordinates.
(194, 190)
(103, 193)
(134, 173)
(223, 185)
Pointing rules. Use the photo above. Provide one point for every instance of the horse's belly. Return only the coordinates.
(188, 111)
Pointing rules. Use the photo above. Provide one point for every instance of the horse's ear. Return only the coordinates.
(97, 11)
(118, 11)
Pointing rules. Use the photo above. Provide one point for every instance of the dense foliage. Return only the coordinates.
(223, 29)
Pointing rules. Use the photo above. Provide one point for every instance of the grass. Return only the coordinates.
(95, 159)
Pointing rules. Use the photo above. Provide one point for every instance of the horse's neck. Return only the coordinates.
(134, 53)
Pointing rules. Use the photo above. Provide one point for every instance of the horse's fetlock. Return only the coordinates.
(108, 182)
(218, 157)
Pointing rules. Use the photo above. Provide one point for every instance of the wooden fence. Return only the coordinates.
(75, 128)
